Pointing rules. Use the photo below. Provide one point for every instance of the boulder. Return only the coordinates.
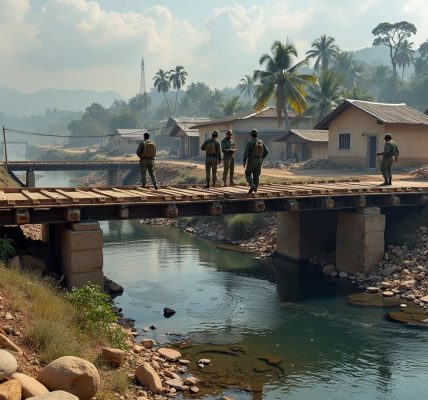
(73, 375)
(56, 395)
(149, 378)
(114, 356)
(6, 343)
(424, 299)
(328, 269)
(30, 386)
(387, 293)
(175, 383)
(169, 354)
(8, 364)
(10, 390)
(343, 274)
(33, 263)
(168, 312)
(372, 289)
(148, 343)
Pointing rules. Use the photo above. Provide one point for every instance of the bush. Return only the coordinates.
(7, 251)
(239, 226)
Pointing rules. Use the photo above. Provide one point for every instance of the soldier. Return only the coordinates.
(212, 158)
(228, 148)
(389, 154)
(147, 153)
(255, 152)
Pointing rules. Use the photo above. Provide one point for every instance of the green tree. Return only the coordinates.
(177, 77)
(393, 37)
(324, 95)
(82, 129)
(280, 80)
(324, 51)
(98, 113)
(405, 56)
(123, 121)
(139, 102)
(357, 93)
(347, 68)
(231, 106)
(161, 83)
(247, 87)
(421, 62)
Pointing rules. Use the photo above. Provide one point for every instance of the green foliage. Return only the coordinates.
(95, 314)
(126, 120)
(7, 251)
(242, 226)
(324, 51)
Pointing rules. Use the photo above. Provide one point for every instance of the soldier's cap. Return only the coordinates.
(254, 133)
(146, 134)
(228, 132)
(387, 136)
(215, 133)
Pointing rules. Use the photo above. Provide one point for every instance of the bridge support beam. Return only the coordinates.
(113, 177)
(30, 178)
(360, 239)
(303, 234)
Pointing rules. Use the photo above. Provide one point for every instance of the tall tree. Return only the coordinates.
(177, 77)
(281, 80)
(393, 37)
(139, 102)
(405, 56)
(161, 83)
(357, 93)
(421, 62)
(247, 87)
(123, 121)
(324, 95)
(231, 106)
(347, 67)
(324, 50)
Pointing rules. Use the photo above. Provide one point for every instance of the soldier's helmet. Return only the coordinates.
(215, 134)
(254, 133)
(387, 136)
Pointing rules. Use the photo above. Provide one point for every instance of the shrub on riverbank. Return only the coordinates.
(242, 226)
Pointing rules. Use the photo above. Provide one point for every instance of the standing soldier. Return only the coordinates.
(212, 157)
(228, 148)
(255, 152)
(389, 154)
(147, 153)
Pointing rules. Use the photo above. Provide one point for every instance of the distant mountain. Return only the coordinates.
(373, 55)
(16, 103)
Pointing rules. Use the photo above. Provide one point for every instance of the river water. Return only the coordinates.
(322, 347)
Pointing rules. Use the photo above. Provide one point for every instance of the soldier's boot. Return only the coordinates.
(207, 186)
(214, 182)
(390, 181)
(224, 183)
(155, 186)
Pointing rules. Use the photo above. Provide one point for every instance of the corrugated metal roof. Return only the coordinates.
(137, 134)
(307, 135)
(384, 112)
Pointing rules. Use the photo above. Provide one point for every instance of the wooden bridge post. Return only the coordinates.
(113, 177)
(360, 239)
(30, 178)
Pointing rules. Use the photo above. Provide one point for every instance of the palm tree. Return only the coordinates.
(161, 83)
(347, 67)
(357, 93)
(178, 78)
(281, 80)
(324, 51)
(405, 55)
(231, 106)
(325, 95)
(247, 87)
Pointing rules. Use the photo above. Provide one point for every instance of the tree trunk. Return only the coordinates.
(175, 105)
(167, 103)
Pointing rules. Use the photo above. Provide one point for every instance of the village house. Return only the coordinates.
(188, 136)
(303, 144)
(265, 121)
(125, 141)
(356, 129)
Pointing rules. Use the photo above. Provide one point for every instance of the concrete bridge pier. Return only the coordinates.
(113, 177)
(30, 178)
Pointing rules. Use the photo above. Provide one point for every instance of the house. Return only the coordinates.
(125, 141)
(265, 121)
(188, 136)
(356, 130)
(303, 144)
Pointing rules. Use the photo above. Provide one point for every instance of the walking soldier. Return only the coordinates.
(255, 152)
(212, 158)
(147, 153)
(228, 148)
(389, 154)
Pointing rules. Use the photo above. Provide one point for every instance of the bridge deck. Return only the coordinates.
(104, 203)
(70, 165)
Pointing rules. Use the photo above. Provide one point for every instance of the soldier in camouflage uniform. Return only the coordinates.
(147, 153)
(228, 148)
(212, 158)
(255, 152)
(389, 154)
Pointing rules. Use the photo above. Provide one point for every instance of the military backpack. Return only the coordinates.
(211, 149)
(258, 149)
(149, 150)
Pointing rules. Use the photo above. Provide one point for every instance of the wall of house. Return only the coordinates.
(206, 131)
(318, 151)
(120, 145)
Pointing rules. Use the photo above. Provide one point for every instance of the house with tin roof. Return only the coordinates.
(265, 121)
(125, 141)
(356, 129)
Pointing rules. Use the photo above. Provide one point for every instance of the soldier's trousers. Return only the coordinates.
(147, 165)
(252, 174)
(386, 168)
(211, 167)
(229, 168)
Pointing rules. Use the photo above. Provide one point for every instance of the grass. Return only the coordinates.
(243, 226)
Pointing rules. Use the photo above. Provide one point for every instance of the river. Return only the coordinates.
(329, 349)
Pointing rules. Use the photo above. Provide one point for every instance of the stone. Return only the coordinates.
(153, 327)
(114, 356)
(55, 395)
(334, 274)
(204, 361)
(405, 272)
(8, 364)
(175, 383)
(169, 354)
(73, 375)
(30, 386)
(137, 349)
(372, 289)
(31, 263)
(6, 343)
(328, 269)
(172, 375)
(149, 378)
(10, 390)
(343, 275)
(8, 316)
(419, 277)
(385, 285)
(191, 381)
(114, 288)
(387, 293)
(194, 389)
(407, 284)
(184, 362)
(168, 312)
(424, 299)
(148, 343)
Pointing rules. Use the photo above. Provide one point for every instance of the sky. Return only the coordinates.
(98, 44)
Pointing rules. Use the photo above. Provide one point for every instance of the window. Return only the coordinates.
(206, 136)
(344, 141)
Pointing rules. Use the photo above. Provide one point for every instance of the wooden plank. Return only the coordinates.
(35, 197)
(153, 195)
(135, 194)
(75, 197)
(57, 197)
(110, 194)
(11, 198)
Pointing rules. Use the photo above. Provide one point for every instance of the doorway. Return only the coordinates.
(372, 151)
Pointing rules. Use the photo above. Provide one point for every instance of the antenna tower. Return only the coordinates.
(143, 78)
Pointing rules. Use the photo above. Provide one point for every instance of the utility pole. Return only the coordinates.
(5, 147)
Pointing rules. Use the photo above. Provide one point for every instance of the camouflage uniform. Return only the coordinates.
(146, 164)
(228, 149)
(211, 159)
(253, 164)
(390, 151)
